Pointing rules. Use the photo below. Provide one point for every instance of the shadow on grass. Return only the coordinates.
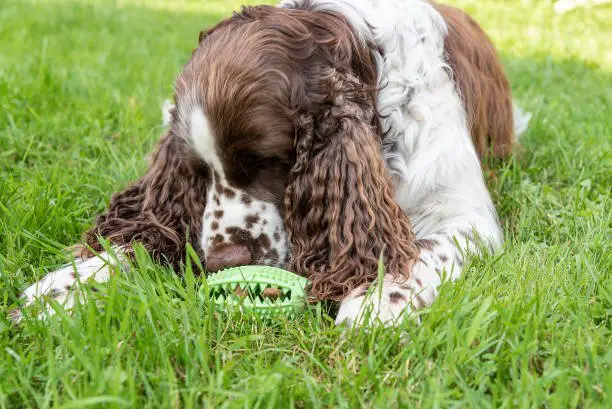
(562, 169)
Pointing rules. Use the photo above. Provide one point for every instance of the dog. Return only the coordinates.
(325, 137)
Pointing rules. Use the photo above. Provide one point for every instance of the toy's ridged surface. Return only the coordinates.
(266, 291)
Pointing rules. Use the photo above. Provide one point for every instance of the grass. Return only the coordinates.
(81, 85)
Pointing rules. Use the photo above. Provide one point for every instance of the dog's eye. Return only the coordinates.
(252, 162)
(248, 162)
(247, 166)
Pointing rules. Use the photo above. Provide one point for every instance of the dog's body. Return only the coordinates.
(321, 136)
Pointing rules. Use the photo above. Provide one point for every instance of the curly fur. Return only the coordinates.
(162, 210)
(334, 189)
(354, 128)
(302, 93)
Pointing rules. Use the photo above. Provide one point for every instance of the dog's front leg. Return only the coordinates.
(62, 285)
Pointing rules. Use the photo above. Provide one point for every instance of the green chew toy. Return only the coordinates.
(266, 291)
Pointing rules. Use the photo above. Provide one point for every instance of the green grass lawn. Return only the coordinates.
(81, 86)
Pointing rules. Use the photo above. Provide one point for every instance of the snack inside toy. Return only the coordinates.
(266, 291)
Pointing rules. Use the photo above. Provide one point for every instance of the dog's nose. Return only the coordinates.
(228, 255)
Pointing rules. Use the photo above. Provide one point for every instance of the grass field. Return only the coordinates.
(81, 85)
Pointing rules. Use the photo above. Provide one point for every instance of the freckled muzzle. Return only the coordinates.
(238, 229)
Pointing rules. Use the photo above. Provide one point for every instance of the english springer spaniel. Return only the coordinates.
(323, 136)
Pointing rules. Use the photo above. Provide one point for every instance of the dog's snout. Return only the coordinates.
(229, 255)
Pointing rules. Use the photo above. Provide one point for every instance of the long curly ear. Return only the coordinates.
(339, 207)
(162, 210)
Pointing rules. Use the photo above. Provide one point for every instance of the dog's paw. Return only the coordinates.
(388, 304)
(54, 286)
(61, 285)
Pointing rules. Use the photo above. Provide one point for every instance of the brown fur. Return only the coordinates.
(340, 210)
(481, 82)
(298, 100)
(290, 98)
(162, 210)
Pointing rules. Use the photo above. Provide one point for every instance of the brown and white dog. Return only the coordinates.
(320, 135)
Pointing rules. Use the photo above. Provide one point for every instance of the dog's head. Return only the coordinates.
(277, 106)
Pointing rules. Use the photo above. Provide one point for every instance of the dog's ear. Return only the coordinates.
(162, 210)
(339, 207)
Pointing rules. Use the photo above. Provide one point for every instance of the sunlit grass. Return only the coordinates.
(81, 85)
(199, 6)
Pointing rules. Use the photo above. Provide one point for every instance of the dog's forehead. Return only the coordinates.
(218, 137)
(203, 140)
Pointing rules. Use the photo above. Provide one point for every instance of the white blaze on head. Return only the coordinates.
(203, 140)
(230, 209)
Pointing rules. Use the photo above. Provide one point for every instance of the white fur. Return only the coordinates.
(236, 206)
(427, 148)
(203, 140)
(167, 109)
(376, 304)
(235, 215)
(520, 118)
(62, 284)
